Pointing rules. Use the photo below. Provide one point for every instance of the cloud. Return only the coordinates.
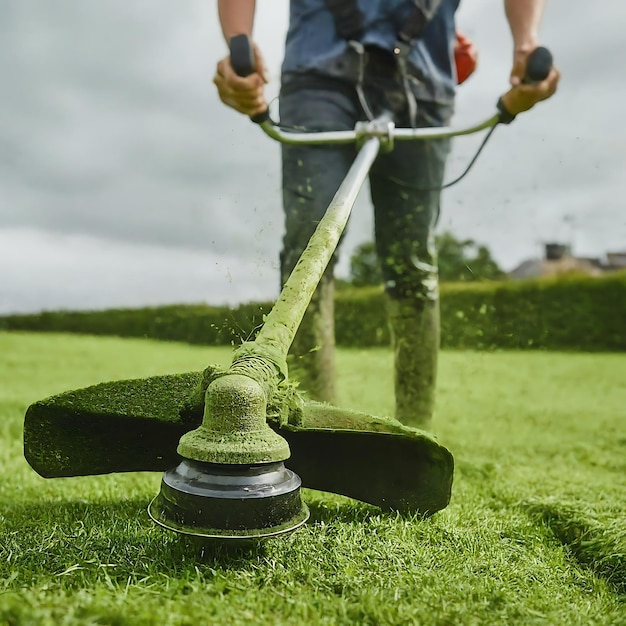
(111, 133)
(61, 271)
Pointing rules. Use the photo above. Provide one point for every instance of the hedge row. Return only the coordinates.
(581, 313)
(572, 313)
(567, 313)
(191, 323)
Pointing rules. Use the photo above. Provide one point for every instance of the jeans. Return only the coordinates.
(404, 182)
(405, 194)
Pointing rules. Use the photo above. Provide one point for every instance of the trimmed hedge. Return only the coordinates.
(576, 312)
(566, 313)
(193, 323)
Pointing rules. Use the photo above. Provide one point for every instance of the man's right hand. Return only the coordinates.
(244, 94)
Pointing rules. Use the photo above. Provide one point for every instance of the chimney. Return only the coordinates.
(557, 251)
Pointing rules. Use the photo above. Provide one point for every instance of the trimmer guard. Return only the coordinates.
(135, 425)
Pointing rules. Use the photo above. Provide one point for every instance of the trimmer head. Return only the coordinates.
(229, 502)
(232, 483)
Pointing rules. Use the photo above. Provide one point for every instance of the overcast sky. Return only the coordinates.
(124, 181)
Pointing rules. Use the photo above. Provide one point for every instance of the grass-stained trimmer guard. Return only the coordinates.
(242, 441)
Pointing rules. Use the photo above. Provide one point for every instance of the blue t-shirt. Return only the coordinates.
(313, 42)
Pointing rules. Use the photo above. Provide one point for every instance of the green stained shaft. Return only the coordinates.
(234, 428)
(284, 319)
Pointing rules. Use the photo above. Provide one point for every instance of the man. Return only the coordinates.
(348, 61)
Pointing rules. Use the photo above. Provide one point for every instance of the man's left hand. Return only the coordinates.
(523, 96)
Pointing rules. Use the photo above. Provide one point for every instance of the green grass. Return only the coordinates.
(535, 533)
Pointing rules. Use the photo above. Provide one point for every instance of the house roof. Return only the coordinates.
(616, 259)
(533, 268)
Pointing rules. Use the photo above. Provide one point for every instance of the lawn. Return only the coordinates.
(535, 532)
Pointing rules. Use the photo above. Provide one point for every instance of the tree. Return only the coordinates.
(465, 260)
(364, 266)
(459, 260)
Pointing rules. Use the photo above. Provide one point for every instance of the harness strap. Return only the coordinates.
(360, 50)
(423, 11)
(348, 18)
(349, 26)
(416, 22)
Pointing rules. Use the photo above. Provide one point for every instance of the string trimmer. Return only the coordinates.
(228, 433)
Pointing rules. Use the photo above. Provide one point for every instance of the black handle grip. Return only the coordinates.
(242, 61)
(242, 55)
(538, 65)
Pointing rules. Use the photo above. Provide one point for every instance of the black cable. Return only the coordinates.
(467, 169)
(439, 188)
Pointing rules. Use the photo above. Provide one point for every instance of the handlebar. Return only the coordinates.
(242, 60)
(382, 128)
